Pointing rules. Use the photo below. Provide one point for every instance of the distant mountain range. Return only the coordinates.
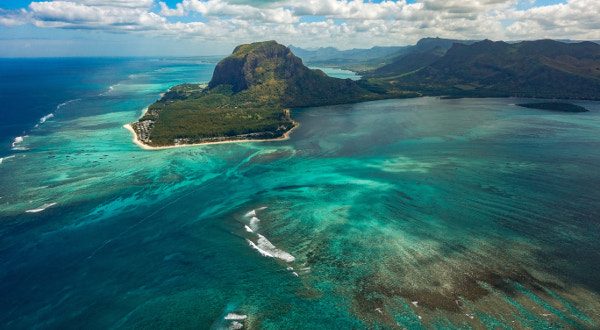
(412, 58)
(469, 68)
(354, 59)
(541, 69)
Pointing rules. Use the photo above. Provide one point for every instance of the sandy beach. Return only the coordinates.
(144, 146)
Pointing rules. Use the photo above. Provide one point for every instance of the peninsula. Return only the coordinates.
(252, 91)
(249, 98)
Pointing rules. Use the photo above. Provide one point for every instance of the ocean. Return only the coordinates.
(415, 213)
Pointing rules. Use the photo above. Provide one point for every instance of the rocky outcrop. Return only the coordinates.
(272, 70)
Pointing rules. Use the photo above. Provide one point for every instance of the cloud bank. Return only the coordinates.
(346, 23)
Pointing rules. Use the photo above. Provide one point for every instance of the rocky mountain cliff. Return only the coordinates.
(269, 70)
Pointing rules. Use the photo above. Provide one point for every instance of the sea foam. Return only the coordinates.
(17, 141)
(110, 89)
(51, 115)
(2, 159)
(41, 208)
(234, 316)
(65, 103)
(235, 325)
(254, 223)
(267, 249)
(46, 117)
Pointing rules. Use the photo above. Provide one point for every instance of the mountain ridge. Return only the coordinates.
(248, 98)
(539, 68)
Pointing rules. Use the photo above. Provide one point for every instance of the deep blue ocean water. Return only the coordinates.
(417, 213)
(33, 88)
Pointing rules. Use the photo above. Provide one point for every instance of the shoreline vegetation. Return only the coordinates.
(252, 91)
(135, 139)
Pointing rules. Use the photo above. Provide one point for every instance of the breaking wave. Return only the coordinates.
(41, 208)
(65, 103)
(236, 317)
(252, 213)
(267, 249)
(2, 159)
(17, 141)
(109, 90)
(46, 117)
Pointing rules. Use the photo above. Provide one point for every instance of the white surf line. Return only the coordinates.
(66, 102)
(267, 249)
(45, 118)
(235, 317)
(41, 208)
(2, 159)
(262, 244)
(51, 115)
(252, 213)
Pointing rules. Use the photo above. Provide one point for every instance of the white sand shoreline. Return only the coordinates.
(144, 146)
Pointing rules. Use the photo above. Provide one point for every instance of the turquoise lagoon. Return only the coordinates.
(417, 213)
(338, 73)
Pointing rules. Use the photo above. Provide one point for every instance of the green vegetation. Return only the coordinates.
(213, 115)
(248, 97)
(413, 58)
(554, 106)
(539, 69)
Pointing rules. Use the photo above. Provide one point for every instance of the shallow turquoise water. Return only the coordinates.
(419, 213)
(338, 73)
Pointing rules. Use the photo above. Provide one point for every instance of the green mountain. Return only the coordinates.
(352, 59)
(424, 53)
(271, 71)
(542, 68)
(248, 97)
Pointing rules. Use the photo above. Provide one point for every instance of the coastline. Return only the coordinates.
(144, 146)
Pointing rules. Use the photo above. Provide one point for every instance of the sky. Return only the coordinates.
(214, 27)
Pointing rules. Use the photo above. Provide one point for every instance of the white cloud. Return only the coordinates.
(13, 17)
(576, 18)
(219, 8)
(344, 23)
(119, 3)
(90, 14)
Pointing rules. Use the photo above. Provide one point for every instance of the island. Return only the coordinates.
(554, 106)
